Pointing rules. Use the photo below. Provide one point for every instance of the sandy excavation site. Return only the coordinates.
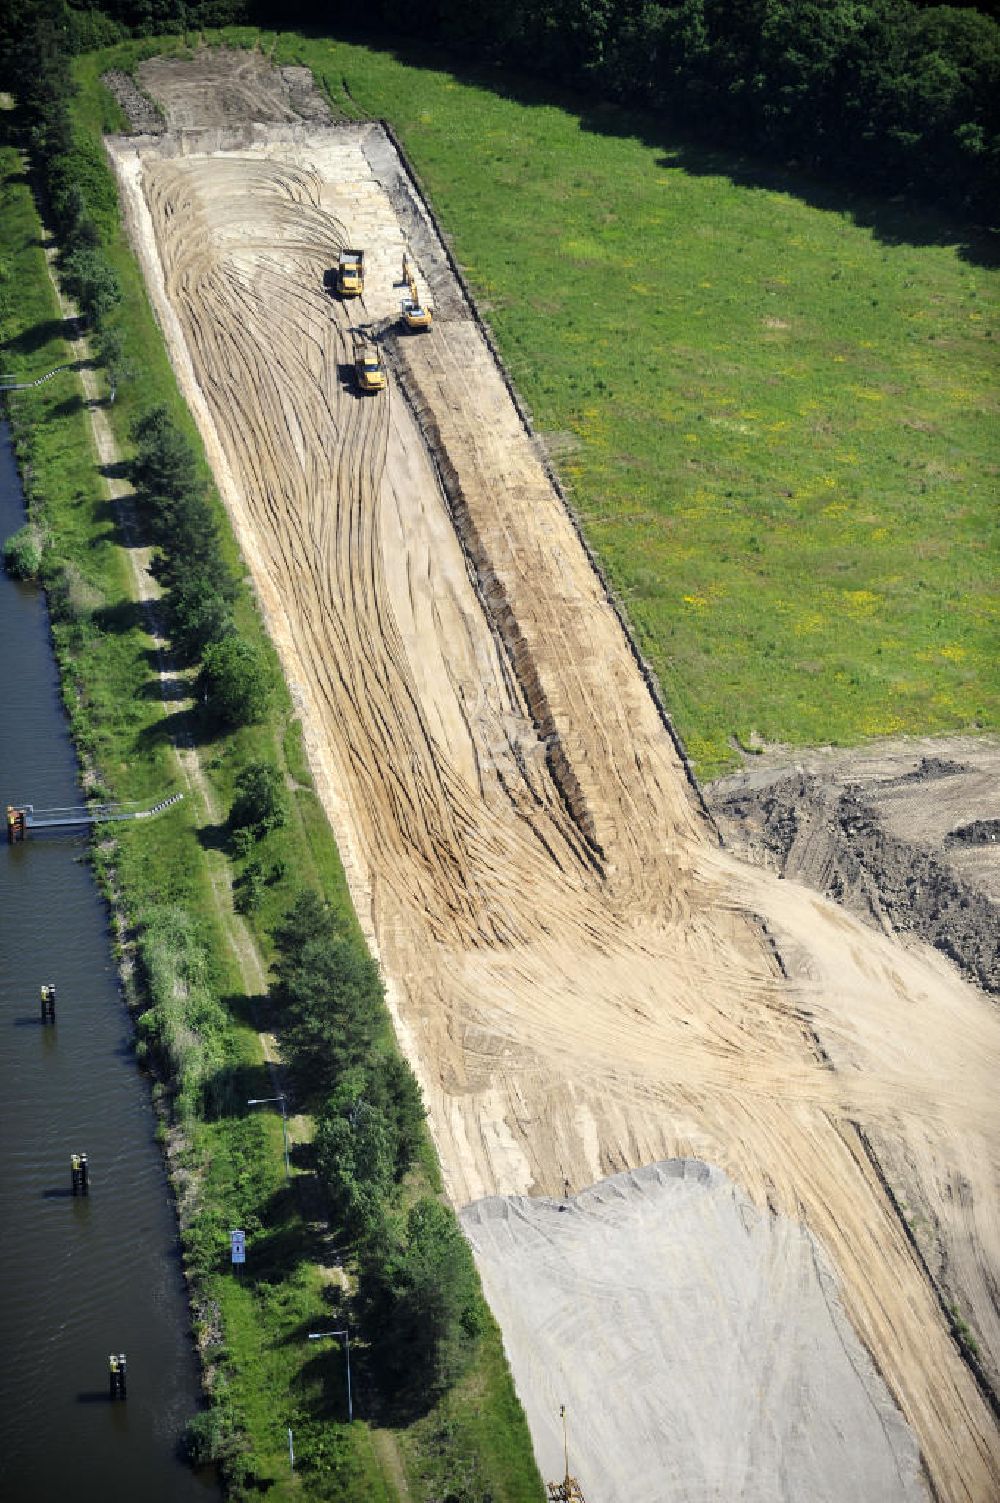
(685, 1107)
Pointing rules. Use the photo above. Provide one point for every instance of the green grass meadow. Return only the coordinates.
(777, 422)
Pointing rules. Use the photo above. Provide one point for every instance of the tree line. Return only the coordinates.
(893, 95)
(36, 44)
(199, 587)
(418, 1300)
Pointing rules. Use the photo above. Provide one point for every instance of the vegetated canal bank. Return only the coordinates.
(79, 1278)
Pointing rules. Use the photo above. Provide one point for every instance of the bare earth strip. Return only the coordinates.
(583, 980)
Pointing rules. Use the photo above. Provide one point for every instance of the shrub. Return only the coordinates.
(110, 349)
(23, 552)
(330, 1007)
(91, 280)
(420, 1300)
(183, 1028)
(234, 682)
(260, 805)
(356, 1157)
(214, 1437)
(249, 892)
(242, 843)
(198, 613)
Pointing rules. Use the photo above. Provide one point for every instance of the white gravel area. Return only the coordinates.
(696, 1341)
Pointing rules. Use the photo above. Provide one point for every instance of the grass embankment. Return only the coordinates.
(171, 879)
(775, 412)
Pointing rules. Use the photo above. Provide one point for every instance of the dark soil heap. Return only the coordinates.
(832, 840)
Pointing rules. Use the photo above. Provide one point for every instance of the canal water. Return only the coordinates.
(79, 1278)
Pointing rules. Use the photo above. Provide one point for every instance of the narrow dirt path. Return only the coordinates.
(387, 1451)
(253, 972)
(146, 590)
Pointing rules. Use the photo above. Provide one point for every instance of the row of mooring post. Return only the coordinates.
(116, 1375)
(79, 1173)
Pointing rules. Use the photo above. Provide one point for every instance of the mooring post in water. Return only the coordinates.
(116, 1375)
(48, 1002)
(16, 825)
(79, 1173)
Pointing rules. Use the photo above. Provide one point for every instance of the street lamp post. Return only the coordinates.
(319, 1336)
(265, 1101)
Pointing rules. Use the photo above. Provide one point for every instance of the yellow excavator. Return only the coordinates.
(415, 315)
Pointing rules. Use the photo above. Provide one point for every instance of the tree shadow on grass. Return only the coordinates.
(120, 618)
(181, 728)
(72, 404)
(253, 1012)
(171, 689)
(281, 1247)
(892, 221)
(119, 469)
(322, 1378)
(227, 1091)
(304, 1158)
(393, 1385)
(157, 658)
(30, 341)
(214, 837)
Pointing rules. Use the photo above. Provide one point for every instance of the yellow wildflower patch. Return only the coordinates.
(859, 603)
(882, 723)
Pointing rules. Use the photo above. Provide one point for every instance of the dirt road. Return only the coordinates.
(584, 981)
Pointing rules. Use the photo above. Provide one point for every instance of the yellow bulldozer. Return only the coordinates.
(415, 315)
